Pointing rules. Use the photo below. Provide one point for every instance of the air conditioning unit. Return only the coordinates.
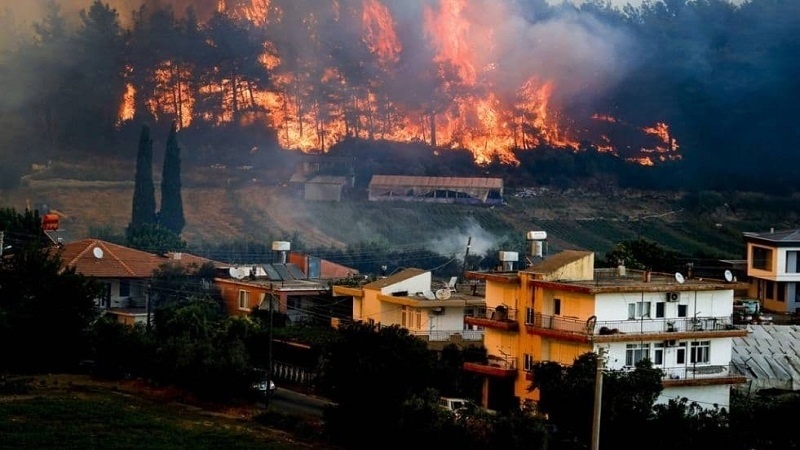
(438, 310)
(673, 296)
(670, 343)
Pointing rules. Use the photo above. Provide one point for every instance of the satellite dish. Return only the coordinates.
(232, 272)
(443, 294)
(728, 276)
(679, 278)
(236, 272)
(97, 252)
(241, 273)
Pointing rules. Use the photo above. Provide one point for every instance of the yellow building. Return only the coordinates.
(773, 264)
(407, 299)
(562, 307)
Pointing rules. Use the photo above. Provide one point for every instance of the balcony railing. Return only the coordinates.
(446, 335)
(577, 326)
(501, 317)
(701, 373)
(496, 366)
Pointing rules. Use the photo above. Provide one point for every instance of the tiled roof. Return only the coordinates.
(557, 261)
(117, 261)
(776, 236)
(396, 278)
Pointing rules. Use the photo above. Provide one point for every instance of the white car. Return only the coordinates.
(264, 387)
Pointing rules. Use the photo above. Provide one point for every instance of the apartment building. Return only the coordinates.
(773, 265)
(562, 307)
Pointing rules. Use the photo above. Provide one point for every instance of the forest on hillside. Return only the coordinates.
(670, 94)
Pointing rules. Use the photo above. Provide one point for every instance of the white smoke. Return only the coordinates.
(453, 242)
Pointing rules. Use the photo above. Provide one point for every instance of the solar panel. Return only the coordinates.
(295, 271)
(272, 273)
(282, 272)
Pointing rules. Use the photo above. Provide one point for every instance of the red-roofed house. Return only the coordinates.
(123, 272)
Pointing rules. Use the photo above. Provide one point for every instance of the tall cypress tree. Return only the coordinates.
(171, 215)
(144, 195)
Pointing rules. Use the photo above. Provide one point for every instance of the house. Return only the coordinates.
(283, 287)
(123, 272)
(562, 307)
(407, 299)
(773, 265)
(436, 189)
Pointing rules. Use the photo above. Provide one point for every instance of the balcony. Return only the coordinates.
(496, 366)
(447, 335)
(701, 375)
(498, 318)
(574, 329)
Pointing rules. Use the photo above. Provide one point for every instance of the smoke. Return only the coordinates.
(454, 241)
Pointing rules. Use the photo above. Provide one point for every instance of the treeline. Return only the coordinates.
(722, 76)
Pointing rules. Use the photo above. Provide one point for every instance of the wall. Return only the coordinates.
(705, 396)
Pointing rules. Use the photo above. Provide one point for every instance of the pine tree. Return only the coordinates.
(144, 196)
(171, 215)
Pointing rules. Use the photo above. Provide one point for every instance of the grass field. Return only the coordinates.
(223, 205)
(75, 412)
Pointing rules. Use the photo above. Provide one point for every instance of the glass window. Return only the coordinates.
(658, 354)
(527, 362)
(680, 355)
(682, 310)
(659, 309)
(792, 262)
(781, 297)
(770, 290)
(124, 288)
(639, 310)
(244, 299)
(761, 258)
(404, 316)
(700, 352)
(635, 353)
(557, 306)
(529, 315)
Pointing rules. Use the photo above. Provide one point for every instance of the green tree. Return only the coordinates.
(566, 395)
(144, 196)
(642, 254)
(45, 311)
(171, 215)
(153, 238)
(369, 373)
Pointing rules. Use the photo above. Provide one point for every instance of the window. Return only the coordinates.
(557, 306)
(781, 297)
(410, 318)
(124, 288)
(761, 258)
(639, 310)
(635, 353)
(404, 316)
(770, 289)
(792, 262)
(680, 355)
(527, 362)
(682, 310)
(660, 309)
(658, 354)
(700, 352)
(244, 299)
(529, 315)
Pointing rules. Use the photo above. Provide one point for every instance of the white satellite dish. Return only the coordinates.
(679, 277)
(97, 252)
(728, 276)
(241, 273)
(443, 294)
(236, 272)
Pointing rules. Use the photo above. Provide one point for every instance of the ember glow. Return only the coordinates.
(446, 72)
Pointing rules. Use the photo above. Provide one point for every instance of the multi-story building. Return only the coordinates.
(406, 299)
(561, 307)
(773, 265)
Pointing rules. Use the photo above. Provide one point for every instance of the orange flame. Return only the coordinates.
(379, 34)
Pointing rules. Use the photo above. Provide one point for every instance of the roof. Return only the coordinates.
(557, 261)
(404, 274)
(110, 261)
(118, 261)
(769, 356)
(327, 179)
(454, 182)
(776, 237)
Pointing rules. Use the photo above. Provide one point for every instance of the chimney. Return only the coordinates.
(281, 249)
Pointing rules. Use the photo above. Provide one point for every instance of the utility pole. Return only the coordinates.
(466, 255)
(2, 235)
(598, 398)
(269, 360)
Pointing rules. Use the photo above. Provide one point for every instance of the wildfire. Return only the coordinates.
(458, 95)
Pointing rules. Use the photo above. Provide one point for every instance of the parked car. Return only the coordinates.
(264, 386)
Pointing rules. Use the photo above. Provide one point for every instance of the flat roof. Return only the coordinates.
(455, 182)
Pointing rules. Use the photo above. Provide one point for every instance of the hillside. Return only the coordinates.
(235, 204)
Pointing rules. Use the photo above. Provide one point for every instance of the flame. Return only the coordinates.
(127, 108)
(464, 100)
(379, 34)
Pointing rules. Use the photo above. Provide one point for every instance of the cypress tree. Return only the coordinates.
(171, 215)
(144, 195)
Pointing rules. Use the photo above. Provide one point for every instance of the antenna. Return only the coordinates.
(443, 294)
(97, 252)
(679, 278)
(728, 276)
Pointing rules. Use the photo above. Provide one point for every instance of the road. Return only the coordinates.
(296, 403)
